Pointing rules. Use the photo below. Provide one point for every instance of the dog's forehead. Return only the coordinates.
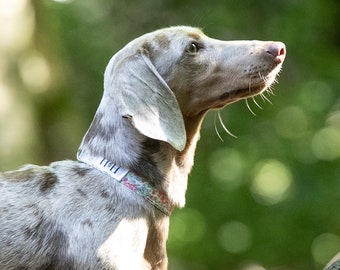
(177, 34)
(184, 32)
(165, 38)
(197, 34)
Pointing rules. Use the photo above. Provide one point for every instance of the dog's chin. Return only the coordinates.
(243, 92)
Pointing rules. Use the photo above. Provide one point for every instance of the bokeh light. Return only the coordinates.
(334, 119)
(315, 95)
(17, 25)
(326, 143)
(63, 1)
(272, 182)
(35, 72)
(324, 247)
(235, 237)
(226, 168)
(253, 266)
(187, 225)
(291, 122)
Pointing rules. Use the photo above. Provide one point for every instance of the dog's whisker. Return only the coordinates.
(249, 108)
(224, 127)
(262, 77)
(215, 126)
(258, 105)
(270, 91)
(263, 96)
(263, 99)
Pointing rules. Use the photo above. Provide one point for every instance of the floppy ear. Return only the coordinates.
(148, 101)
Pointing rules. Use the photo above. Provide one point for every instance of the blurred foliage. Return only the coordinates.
(266, 200)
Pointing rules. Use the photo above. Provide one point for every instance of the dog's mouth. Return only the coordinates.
(251, 90)
(241, 93)
(256, 85)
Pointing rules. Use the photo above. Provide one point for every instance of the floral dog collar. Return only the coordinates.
(129, 179)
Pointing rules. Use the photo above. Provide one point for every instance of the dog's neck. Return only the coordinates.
(114, 138)
(130, 180)
(182, 162)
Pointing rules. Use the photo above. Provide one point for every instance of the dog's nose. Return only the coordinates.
(277, 50)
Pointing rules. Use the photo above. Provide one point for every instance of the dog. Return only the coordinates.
(110, 209)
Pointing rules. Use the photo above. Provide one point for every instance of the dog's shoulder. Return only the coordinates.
(26, 173)
(29, 171)
(44, 178)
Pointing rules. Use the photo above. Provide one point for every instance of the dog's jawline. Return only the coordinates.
(235, 95)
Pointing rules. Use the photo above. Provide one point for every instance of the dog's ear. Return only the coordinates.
(147, 100)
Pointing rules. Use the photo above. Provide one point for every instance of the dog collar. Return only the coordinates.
(129, 179)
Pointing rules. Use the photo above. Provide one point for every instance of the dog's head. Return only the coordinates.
(161, 78)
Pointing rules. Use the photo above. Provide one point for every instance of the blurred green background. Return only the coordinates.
(268, 199)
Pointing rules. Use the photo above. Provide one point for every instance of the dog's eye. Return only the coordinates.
(193, 48)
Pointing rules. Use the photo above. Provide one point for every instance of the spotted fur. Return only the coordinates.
(157, 90)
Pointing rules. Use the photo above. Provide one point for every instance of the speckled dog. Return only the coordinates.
(110, 209)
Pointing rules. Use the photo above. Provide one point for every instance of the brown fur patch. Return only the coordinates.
(104, 194)
(163, 41)
(81, 192)
(196, 36)
(48, 180)
(81, 171)
(147, 49)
